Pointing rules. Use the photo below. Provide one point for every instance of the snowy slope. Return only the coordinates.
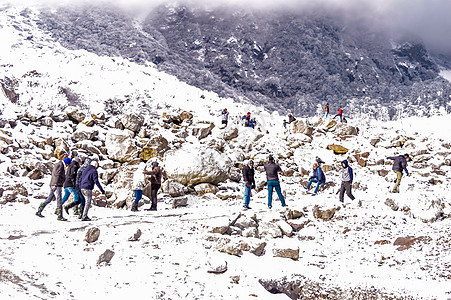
(44, 258)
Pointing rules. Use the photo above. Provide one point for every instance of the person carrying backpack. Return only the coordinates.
(318, 177)
(326, 110)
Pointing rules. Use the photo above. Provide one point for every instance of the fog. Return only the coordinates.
(429, 19)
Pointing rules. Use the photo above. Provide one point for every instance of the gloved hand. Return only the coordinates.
(247, 184)
(407, 173)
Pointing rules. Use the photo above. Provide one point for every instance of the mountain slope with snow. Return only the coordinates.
(201, 243)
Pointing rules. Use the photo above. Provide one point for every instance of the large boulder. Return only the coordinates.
(338, 149)
(121, 146)
(74, 114)
(191, 165)
(300, 126)
(205, 188)
(174, 189)
(132, 122)
(84, 132)
(155, 147)
(202, 130)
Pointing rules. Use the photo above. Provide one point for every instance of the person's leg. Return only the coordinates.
(317, 186)
(313, 180)
(138, 195)
(153, 192)
(247, 194)
(279, 194)
(349, 190)
(47, 201)
(342, 192)
(341, 118)
(59, 198)
(398, 181)
(270, 190)
(66, 194)
(88, 198)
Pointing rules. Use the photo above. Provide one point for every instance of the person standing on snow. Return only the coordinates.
(155, 184)
(225, 117)
(247, 119)
(399, 164)
(318, 177)
(56, 187)
(272, 169)
(70, 183)
(347, 177)
(139, 182)
(340, 114)
(89, 177)
(326, 110)
(79, 210)
(249, 182)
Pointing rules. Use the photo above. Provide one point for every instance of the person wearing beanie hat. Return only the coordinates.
(249, 182)
(70, 183)
(67, 161)
(56, 187)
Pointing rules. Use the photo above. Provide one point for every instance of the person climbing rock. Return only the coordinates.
(317, 177)
(399, 165)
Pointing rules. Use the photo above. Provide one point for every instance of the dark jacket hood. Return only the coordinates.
(346, 163)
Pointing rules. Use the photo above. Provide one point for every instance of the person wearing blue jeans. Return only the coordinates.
(318, 177)
(70, 184)
(249, 182)
(272, 169)
(139, 182)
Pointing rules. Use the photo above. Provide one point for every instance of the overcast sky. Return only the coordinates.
(430, 19)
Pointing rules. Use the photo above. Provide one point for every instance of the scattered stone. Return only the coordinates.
(218, 269)
(382, 173)
(285, 228)
(270, 229)
(382, 242)
(235, 279)
(404, 243)
(323, 214)
(293, 214)
(390, 203)
(173, 188)
(286, 253)
(135, 236)
(230, 133)
(338, 149)
(74, 114)
(220, 229)
(105, 257)
(205, 188)
(259, 250)
(92, 235)
(132, 122)
(179, 202)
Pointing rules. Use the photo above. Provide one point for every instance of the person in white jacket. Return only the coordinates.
(138, 185)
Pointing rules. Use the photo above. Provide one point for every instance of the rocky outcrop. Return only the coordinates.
(204, 188)
(132, 122)
(120, 145)
(197, 165)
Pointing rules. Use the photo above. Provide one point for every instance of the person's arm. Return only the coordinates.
(404, 166)
(391, 157)
(95, 177)
(351, 175)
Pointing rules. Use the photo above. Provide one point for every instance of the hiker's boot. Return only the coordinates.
(60, 214)
(134, 206)
(81, 210)
(56, 211)
(86, 219)
(40, 209)
(76, 210)
(67, 207)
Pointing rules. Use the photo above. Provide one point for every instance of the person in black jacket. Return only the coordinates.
(249, 182)
(399, 164)
(272, 179)
(70, 182)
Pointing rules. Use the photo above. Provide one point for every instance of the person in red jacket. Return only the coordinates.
(340, 114)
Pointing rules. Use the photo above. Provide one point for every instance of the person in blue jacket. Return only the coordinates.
(399, 164)
(88, 179)
(318, 177)
(347, 177)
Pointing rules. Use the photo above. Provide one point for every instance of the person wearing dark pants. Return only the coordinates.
(56, 187)
(347, 176)
(88, 179)
(399, 165)
(155, 184)
(340, 114)
(249, 182)
(318, 177)
(272, 169)
(79, 210)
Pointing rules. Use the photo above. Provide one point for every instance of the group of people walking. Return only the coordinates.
(76, 180)
(347, 177)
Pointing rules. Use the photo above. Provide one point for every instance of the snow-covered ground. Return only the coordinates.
(48, 259)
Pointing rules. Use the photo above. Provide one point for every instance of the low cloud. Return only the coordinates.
(429, 19)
